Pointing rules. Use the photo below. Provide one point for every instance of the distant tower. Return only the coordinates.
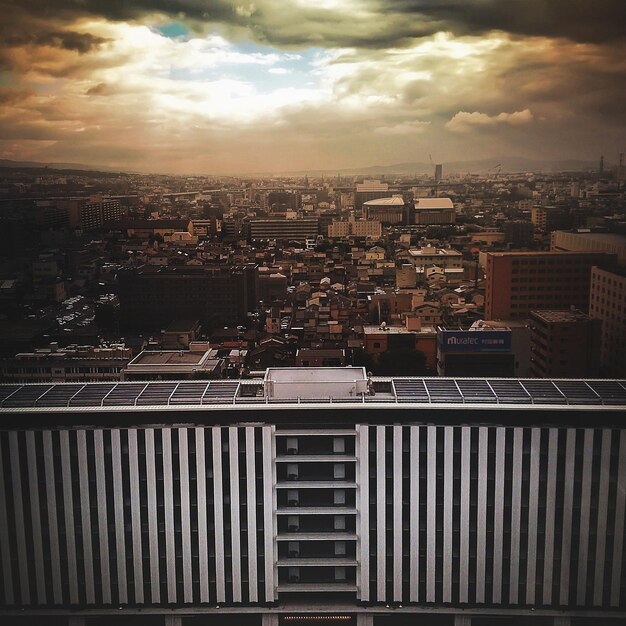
(438, 171)
(620, 169)
(602, 165)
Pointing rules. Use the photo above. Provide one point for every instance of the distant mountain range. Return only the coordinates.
(7, 163)
(480, 166)
(507, 164)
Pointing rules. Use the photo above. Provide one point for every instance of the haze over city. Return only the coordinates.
(225, 86)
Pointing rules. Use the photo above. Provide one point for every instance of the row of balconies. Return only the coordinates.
(316, 525)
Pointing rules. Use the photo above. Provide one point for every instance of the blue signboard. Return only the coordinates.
(474, 340)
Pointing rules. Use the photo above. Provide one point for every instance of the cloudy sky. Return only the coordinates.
(228, 86)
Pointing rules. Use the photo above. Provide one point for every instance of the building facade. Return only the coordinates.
(298, 229)
(370, 190)
(431, 211)
(315, 495)
(612, 243)
(481, 351)
(564, 344)
(518, 282)
(607, 302)
(386, 210)
(152, 297)
(360, 229)
(73, 364)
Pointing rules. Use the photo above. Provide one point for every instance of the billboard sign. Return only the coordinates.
(474, 340)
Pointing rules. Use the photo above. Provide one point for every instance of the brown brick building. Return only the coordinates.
(519, 282)
(564, 344)
(607, 302)
(151, 297)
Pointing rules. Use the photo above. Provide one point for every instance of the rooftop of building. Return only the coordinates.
(321, 352)
(169, 357)
(610, 238)
(613, 272)
(348, 388)
(182, 326)
(177, 224)
(395, 201)
(377, 329)
(560, 316)
(433, 203)
(433, 251)
(548, 253)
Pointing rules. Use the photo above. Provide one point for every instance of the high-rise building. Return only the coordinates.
(564, 344)
(151, 297)
(607, 302)
(518, 231)
(518, 282)
(92, 213)
(438, 171)
(549, 218)
(314, 495)
(298, 229)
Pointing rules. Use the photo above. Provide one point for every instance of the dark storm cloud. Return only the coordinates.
(23, 28)
(592, 89)
(593, 21)
(274, 23)
(66, 40)
(382, 23)
(121, 10)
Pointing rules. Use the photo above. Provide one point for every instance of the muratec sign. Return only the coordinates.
(474, 340)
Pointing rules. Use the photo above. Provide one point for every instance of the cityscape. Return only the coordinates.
(312, 312)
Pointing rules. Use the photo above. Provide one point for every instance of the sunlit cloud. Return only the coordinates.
(242, 86)
(464, 122)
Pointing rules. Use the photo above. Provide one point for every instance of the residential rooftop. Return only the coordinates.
(561, 316)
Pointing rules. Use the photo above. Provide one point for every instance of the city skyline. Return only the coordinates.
(227, 87)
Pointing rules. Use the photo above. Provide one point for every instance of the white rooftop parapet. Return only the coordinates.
(315, 382)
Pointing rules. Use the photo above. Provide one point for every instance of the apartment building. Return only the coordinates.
(314, 494)
(518, 282)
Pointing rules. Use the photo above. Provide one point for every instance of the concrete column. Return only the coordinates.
(562, 621)
(462, 620)
(364, 619)
(269, 619)
(173, 620)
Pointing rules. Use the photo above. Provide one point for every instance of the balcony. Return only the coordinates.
(316, 484)
(317, 562)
